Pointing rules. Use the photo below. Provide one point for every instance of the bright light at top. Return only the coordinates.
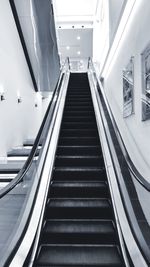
(78, 37)
(75, 7)
(67, 47)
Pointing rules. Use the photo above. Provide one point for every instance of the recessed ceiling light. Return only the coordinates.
(78, 37)
(78, 52)
(67, 47)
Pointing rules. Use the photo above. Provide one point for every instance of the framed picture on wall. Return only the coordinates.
(146, 84)
(128, 88)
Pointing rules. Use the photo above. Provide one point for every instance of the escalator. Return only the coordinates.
(79, 228)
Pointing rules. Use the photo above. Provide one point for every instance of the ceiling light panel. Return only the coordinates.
(75, 7)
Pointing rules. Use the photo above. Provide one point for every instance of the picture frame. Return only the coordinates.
(146, 84)
(128, 89)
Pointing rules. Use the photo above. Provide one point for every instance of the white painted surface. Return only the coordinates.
(17, 121)
(73, 8)
(115, 10)
(134, 131)
(101, 32)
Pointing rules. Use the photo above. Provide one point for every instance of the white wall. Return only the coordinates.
(115, 10)
(17, 121)
(105, 25)
(101, 32)
(135, 132)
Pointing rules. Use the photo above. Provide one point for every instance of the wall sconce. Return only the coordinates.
(19, 99)
(2, 97)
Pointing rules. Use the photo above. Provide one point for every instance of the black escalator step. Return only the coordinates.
(79, 150)
(78, 189)
(78, 104)
(78, 119)
(77, 125)
(79, 108)
(90, 107)
(79, 232)
(79, 255)
(79, 161)
(78, 98)
(76, 91)
(87, 141)
(98, 208)
(78, 113)
(79, 174)
(79, 133)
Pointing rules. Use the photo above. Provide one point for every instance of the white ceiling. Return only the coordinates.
(75, 7)
(75, 43)
(74, 18)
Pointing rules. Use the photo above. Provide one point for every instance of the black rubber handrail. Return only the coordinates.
(32, 154)
(143, 181)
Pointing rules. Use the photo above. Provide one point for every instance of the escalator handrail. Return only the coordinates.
(34, 149)
(138, 176)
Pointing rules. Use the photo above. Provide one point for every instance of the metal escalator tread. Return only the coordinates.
(76, 189)
(79, 228)
(98, 255)
(78, 150)
(79, 231)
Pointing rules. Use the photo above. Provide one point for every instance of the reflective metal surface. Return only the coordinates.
(37, 24)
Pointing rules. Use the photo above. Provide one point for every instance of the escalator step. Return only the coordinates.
(79, 133)
(78, 189)
(78, 208)
(78, 150)
(79, 161)
(78, 98)
(78, 112)
(76, 103)
(79, 109)
(87, 141)
(79, 174)
(81, 125)
(78, 119)
(79, 232)
(79, 255)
